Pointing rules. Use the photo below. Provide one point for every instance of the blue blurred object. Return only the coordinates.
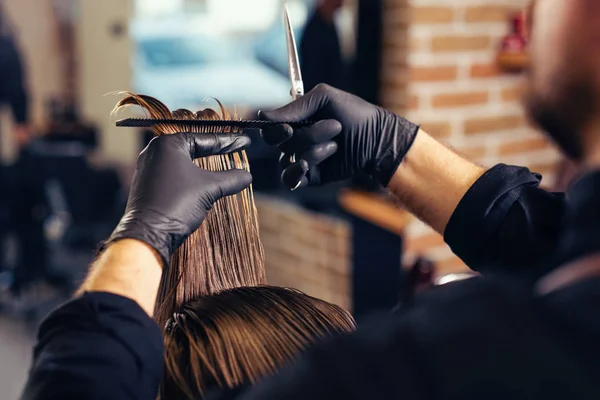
(176, 52)
(184, 70)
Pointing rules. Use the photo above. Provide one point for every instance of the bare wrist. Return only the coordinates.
(129, 268)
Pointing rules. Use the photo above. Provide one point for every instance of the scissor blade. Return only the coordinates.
(293, 59)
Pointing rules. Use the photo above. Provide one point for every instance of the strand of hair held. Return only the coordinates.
(225, 252)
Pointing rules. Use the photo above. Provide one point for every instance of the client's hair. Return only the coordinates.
(241, 335)
(225, 252)
(222, 326)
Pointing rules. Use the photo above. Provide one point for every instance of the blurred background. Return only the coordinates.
(456, 68)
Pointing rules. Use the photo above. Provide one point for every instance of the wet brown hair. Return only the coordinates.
(222, 325)
(241, 335)
(225, 252)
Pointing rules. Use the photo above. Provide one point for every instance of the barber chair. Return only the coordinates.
(72, 207)
(85, 202)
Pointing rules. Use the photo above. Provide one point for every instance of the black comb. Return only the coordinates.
(243, 124)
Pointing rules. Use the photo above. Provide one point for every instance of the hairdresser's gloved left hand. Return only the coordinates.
(170, 196)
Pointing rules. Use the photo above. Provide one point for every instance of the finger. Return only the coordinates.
(277, 134)
(298, 110)
(319, 153)
(209, 144)
(301, 109)
(231, 182)
(294, 176)
(304, 138)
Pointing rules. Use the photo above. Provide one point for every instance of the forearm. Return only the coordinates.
(497, 221)
(128, 268)
(432, 179)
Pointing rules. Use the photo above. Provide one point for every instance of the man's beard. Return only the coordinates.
(564, 116)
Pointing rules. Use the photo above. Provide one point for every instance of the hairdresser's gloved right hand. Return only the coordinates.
(170, 196)
(350, 136)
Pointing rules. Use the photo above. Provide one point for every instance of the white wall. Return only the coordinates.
(105, 67)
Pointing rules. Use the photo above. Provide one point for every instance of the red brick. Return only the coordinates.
(484, 71)
(432, 15)
(452, 100)
(523, 146)
(433, 74)
(489, 13)
(493, 124)
(455, 43)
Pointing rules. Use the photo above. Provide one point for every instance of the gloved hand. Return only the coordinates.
(170, 196)
(350, 136)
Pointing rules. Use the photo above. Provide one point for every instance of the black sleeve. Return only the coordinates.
(98, 346)
(505, 223)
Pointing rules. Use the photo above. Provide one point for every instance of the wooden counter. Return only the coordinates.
(376, 209)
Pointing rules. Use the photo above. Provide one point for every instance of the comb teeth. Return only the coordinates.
(243, 124)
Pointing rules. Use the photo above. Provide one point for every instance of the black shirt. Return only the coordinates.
(320, 54)
(484, 338)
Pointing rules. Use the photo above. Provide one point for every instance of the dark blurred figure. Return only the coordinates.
(28, 210)
(24, 204)
(321, 62)
(12, 83)
(13, 94)
(320, 50)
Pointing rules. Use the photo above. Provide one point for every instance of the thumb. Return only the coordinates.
(231, 182)
(300, 109)
(204, 144)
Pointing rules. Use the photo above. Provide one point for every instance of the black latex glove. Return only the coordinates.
(170, 196)
(350, 136)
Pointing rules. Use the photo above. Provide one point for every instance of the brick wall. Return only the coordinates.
(439, 71)
(305, 250)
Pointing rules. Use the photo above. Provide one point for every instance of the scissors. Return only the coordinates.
(297, 85)
(297, 89)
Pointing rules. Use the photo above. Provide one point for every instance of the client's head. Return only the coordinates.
(241, 335)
